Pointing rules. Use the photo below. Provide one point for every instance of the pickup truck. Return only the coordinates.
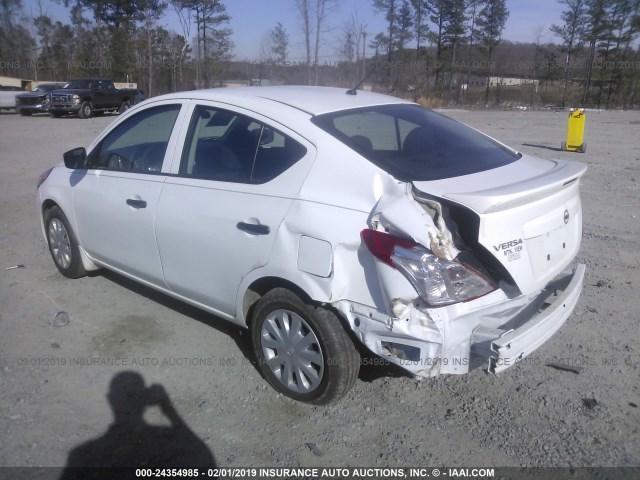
(8, 97)
(86, 97)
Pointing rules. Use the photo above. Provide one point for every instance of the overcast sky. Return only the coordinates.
(252, 19)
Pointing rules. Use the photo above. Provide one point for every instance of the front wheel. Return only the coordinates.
(124, 107)
(86, 110)
(63, 244)
(302, 350)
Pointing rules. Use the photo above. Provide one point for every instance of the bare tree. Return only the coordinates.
(323, 8)
(183, 11)
(152, 10)
(353, 33)
(473, 9)
(537, 36)
(491, 22)
(313, 14)
(572, 35)
(596, 13)
(266, 48)
(304, 10)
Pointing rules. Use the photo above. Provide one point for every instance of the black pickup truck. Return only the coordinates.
(86, 97)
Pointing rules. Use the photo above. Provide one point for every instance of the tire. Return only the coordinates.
(55, 114)
(86, 110)
(320, 373)
(25, 113)
(63, 244)
(563, 147)
(124, 107)
(583, 148)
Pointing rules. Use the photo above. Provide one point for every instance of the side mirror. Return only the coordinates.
(76, 158)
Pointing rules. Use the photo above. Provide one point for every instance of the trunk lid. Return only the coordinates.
(530, 216)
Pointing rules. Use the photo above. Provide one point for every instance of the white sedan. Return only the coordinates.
(323, 220)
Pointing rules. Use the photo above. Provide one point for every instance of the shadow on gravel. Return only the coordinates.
(232, 331)
(372, 367)
(131, 442)
(555, 149)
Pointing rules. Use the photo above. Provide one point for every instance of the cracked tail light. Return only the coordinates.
(439, 282)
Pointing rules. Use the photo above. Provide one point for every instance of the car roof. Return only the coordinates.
(312, 100)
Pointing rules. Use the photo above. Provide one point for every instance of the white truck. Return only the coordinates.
(8, 97)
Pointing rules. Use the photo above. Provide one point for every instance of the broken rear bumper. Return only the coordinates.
(453, 340)
(515, 344)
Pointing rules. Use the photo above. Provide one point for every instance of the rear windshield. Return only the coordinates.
(79, 84)
(415, 144)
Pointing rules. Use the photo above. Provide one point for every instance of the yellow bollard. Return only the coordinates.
(575, 132)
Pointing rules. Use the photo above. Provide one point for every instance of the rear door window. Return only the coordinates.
(229, 147)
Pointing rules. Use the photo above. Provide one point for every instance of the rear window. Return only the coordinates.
(415, 144)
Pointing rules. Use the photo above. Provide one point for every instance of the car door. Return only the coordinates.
(218, 216)
(115, 199)
(111, 95)
(98, 93)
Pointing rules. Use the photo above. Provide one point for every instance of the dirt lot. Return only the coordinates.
(55, 381)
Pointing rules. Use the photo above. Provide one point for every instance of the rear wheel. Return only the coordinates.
(124, 107)
(86, 110)
(25, 113)
(63, 244)
(303, 351)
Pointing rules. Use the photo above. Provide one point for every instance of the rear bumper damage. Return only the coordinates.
(493, 331)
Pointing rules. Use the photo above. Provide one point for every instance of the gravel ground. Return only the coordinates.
(55, 381)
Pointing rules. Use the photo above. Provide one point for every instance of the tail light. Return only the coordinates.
(439, 282)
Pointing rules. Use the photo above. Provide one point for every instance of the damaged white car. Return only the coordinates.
(320, 218)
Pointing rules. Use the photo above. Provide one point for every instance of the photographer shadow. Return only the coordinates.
(131, 442)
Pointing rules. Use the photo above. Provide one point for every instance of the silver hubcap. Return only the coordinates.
(59, 243)
(292, 351)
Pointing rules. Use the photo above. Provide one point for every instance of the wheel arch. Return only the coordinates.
(48, 204)
(260, 286)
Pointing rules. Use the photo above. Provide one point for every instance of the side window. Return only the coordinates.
(276, 153)
(138, 144)
(229, 147)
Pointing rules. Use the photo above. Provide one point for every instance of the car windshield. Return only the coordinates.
(79, 84)
(415, 144)
(45, 88)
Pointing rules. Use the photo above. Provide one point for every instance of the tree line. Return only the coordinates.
(121, 40)
(442, 51)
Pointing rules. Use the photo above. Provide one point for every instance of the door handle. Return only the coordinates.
(254, 228)
(132, 202)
